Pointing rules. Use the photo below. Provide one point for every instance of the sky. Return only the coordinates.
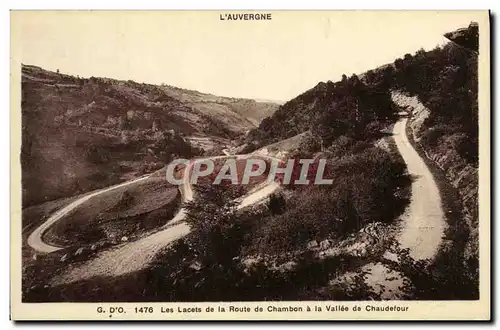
(269, 60)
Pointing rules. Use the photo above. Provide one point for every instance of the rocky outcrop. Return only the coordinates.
(466, 37)
(460, 174)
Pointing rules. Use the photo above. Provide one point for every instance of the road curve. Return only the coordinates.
(423, 223)
(35, 238)
(137, 255)
(36, 242)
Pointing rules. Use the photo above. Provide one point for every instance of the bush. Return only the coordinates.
(466, 147)
(341, 146)
(363, 191)
(248, 148)
(276, 204)
(310, 143)
(374, 129)
(431, 137)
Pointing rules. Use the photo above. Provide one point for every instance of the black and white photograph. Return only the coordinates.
(277, 157)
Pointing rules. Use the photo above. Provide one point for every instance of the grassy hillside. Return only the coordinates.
(329, 110)
(80, 134)
(444, 79)
(445, 126)
(243, 113)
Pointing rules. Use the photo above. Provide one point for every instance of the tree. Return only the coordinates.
(310, 143)
(215, 228)
(276, 204)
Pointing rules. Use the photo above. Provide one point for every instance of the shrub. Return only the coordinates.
(310, 143)
(363, 191)
(341, 146)
(373, 129)
(465, 146)
(431, 137)
(276, 204)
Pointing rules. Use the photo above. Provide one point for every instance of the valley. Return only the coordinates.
(398, 221)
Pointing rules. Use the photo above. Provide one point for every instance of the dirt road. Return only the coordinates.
(35, 238)
(137, 255)
(422, 224)
(424, 220)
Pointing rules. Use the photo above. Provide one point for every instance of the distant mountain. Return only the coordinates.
(84, 133)
(236, 113)
(101, 102)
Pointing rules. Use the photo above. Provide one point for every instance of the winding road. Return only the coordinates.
(424, 220)
(136, 255)
(35, 238)
(422, 224)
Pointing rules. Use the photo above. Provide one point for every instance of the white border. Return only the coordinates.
(188, 4)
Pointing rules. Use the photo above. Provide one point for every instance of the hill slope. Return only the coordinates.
(80, 134)
(439, 89)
